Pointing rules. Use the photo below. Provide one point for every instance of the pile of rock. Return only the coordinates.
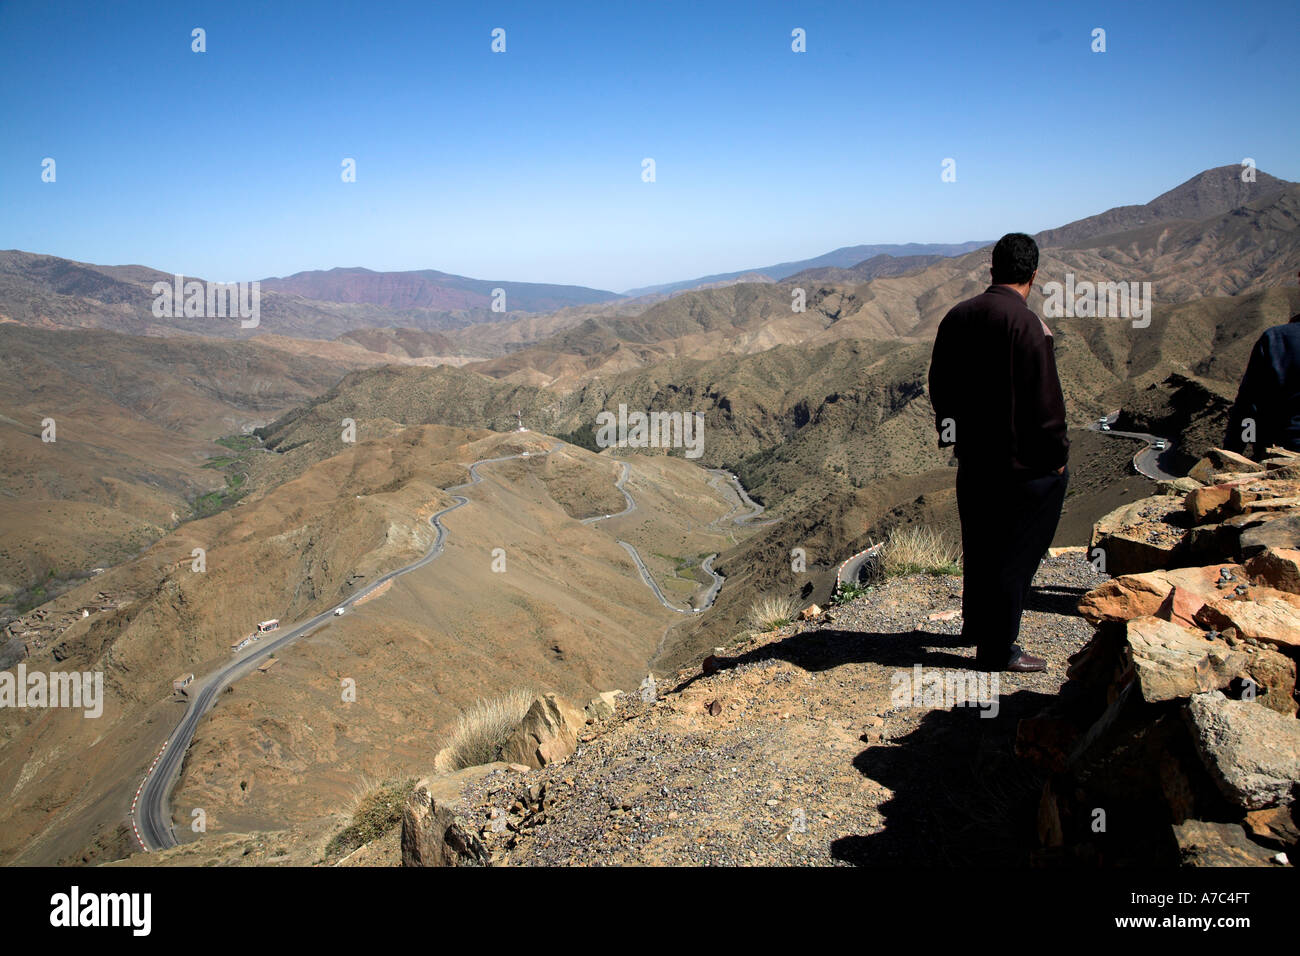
(1175, 737)
(1227, 507)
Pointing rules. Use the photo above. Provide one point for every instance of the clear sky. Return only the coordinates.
(527, 165)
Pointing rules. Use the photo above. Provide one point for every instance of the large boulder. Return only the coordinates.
(1220, 460)
(1251, 752)
(1139, 595)
(1280, 532)
(1142, 536)
(1201, 843)
(602, 706)
(1209, 503)
(1171, 662)
(549, 732)
(1177, 486)
(1273, 677)
(1280, 468)
(1258, 494)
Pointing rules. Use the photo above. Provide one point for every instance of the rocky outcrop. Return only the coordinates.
(1228, 508)
(1171, 661)
(438, 830)
(1182, 708)
(549, 732)
(435, 831)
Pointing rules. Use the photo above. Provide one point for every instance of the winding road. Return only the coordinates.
(619, 484)
(1149, 461)
(851, 569)
(150, 808)
(707, 565)
(755, 509)
(151, 804)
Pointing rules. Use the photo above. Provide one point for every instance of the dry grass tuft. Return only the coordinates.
(482, 730)
(770, 613)
(915, 549)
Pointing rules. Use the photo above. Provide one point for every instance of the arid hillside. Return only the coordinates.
(560, 603)
(133, 423)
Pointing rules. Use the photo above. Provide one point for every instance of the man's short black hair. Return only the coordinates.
(1015, 259)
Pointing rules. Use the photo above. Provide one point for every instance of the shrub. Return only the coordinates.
(376, 809)
(848, 591)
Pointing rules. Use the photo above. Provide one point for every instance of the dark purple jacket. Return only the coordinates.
(993, 372)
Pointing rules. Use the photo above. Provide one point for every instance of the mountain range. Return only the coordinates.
(353, 412)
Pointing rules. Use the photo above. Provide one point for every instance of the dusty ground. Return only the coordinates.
(809, 760)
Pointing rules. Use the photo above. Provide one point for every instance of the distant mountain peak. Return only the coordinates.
(1209, 193)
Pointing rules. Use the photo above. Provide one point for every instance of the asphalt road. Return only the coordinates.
(755, 509)
(152, 801)
(631, 505)
(646, 576)
(851, 569)
(1148, 461)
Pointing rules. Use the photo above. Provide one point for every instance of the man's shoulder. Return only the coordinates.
(1284, 335)
(998, 306)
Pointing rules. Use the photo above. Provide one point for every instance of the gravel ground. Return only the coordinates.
(801, 750)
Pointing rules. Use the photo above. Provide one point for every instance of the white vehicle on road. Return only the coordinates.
(1160, 445)
(338, 611)
(1103, 424)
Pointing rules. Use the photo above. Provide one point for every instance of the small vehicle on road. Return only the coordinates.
(338, 611)
(1103, 424)
(1160, 445)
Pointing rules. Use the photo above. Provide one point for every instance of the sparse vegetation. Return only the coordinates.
(483, 728)
(849, 591)
(238, 442)
(916, 549)
(584, 436)
(233, 466)
(770, 613)
(376, 809)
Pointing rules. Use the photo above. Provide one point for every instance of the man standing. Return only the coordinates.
(997, 398)
(1267, 410)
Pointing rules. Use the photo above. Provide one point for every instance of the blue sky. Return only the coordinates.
(526, 165)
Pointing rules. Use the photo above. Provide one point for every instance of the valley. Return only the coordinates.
(361, 451)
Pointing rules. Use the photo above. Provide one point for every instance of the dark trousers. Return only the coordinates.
(1007, 526)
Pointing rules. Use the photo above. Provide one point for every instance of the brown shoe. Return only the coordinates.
(1022, 663)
